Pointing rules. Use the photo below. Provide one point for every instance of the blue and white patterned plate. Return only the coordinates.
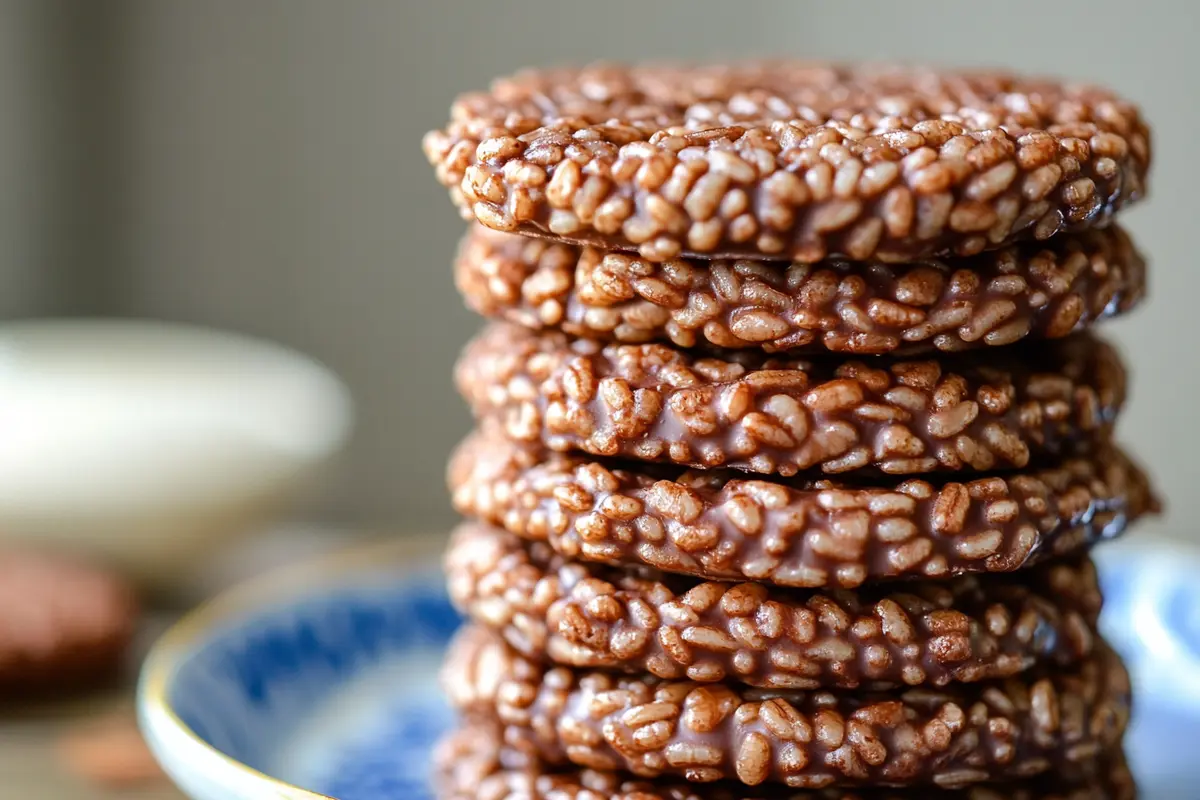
(321, 682)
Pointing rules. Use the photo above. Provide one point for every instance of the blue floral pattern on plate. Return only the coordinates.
(337, 693)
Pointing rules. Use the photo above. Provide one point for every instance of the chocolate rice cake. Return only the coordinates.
(1028, 290)
(639, 620)
(473, 764)
(785, 414)
(790, 160)
(725, 525)
(949, 737)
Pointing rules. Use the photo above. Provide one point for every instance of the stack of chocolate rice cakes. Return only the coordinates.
(792, 434)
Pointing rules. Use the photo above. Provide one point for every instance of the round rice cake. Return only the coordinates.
(1028, 290)
(472, 763)
(785, 414)
(799, 532)
(641, 621)
(790, 160)
(952, 737)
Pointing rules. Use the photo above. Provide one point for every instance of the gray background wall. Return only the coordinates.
(256, 165)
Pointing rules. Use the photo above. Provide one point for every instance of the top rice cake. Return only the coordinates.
(790, 160)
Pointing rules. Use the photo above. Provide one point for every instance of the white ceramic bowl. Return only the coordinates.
(139, 442)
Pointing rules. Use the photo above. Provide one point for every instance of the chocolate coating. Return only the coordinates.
(790, 160)
(719, 524)
(471, 763)
(782, 415)
(967, 628)
(952, 737)
(1035, 290)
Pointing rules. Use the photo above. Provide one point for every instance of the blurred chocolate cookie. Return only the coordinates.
(62, 625)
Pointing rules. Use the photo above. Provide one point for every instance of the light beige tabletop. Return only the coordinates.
(32, 769)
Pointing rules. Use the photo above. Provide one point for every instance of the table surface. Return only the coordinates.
(31, 768)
